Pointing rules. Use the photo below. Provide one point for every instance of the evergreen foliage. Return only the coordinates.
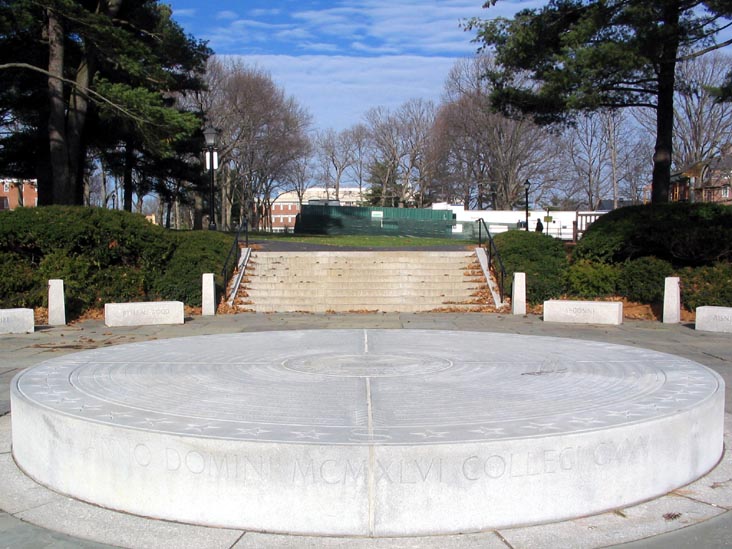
(541, 257)
(643, 279)
(584, 55)
(589, 279)
(706, 286)
(101, 76)
(681, 233)
(102, 256)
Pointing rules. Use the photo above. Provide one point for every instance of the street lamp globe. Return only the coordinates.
(210, 134)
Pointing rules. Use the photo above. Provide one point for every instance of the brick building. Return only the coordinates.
(705, 181)
(16, 192)
(287, 205)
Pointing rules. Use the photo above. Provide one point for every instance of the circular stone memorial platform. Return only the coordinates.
(366, 432)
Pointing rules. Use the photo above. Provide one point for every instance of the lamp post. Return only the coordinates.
(527, 184)
(210, 134)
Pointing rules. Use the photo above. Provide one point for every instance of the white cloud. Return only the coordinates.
(227, 14)
(338, 90)
(342, 60)
(184, 13)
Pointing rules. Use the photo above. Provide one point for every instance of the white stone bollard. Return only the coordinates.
(518, 294)
(208, 295)
(672, 301)
(56, 303)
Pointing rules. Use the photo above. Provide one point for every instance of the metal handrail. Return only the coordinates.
(234, 250)
(492, 251)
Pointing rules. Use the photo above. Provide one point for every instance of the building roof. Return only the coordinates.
(345, 195)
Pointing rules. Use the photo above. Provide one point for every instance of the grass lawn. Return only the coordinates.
(370, 241)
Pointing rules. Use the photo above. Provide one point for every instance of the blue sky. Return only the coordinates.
(339, 58)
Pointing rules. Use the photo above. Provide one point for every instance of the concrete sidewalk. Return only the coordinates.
(703, 530)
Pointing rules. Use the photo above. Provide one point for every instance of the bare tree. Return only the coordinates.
(587, 157)
(299, 177)
(337, 153)
(702, 125)
(385, 152)
(415, 120)
(263, 131)
(488, 154)
(361, 143)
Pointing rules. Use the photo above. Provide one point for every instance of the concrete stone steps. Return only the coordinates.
(360, 281)
(358, 307)
(372, 278)
(402, 293)
(368, 284)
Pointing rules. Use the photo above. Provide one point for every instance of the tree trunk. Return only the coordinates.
(197, 212)
(168, 212)
(127, 184)
(664, 138)
(62, 190)
(77, 113)
(665, 109)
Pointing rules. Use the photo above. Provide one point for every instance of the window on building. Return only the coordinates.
(4, 203)
(725, 192)
(6, 187)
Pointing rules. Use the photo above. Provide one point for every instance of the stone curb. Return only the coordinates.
(23, 499)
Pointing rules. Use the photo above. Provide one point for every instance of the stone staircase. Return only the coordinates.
(402, 281)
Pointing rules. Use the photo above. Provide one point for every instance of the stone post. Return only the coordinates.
(56, 303)
(518, 295)
(208, 295)
(672, 301)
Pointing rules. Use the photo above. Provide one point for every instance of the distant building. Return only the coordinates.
(287, 205)
(16, 193)
(705, 181)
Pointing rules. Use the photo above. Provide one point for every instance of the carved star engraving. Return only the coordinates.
(536, 426)
(312, 434)
(586, 421)
(489, 431)
(621, 413)
(431, 434)
(256, 431)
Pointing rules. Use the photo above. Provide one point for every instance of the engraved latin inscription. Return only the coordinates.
(406, 471)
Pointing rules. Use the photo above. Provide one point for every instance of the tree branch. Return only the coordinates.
(699, 53)
(91, 94)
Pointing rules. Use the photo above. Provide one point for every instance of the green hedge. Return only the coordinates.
(102, 256)
(541, 257)
(681, 233)
(589, 279)
(710, 285)
(644, 279)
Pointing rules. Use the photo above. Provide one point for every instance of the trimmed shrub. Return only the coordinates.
(19, 283)
(682, 233)
(643, 279)
(703, 286)
(541, 257)
(102, 256)
(588, 279)
(195, 252)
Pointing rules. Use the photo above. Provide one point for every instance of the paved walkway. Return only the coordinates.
(696, 516)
